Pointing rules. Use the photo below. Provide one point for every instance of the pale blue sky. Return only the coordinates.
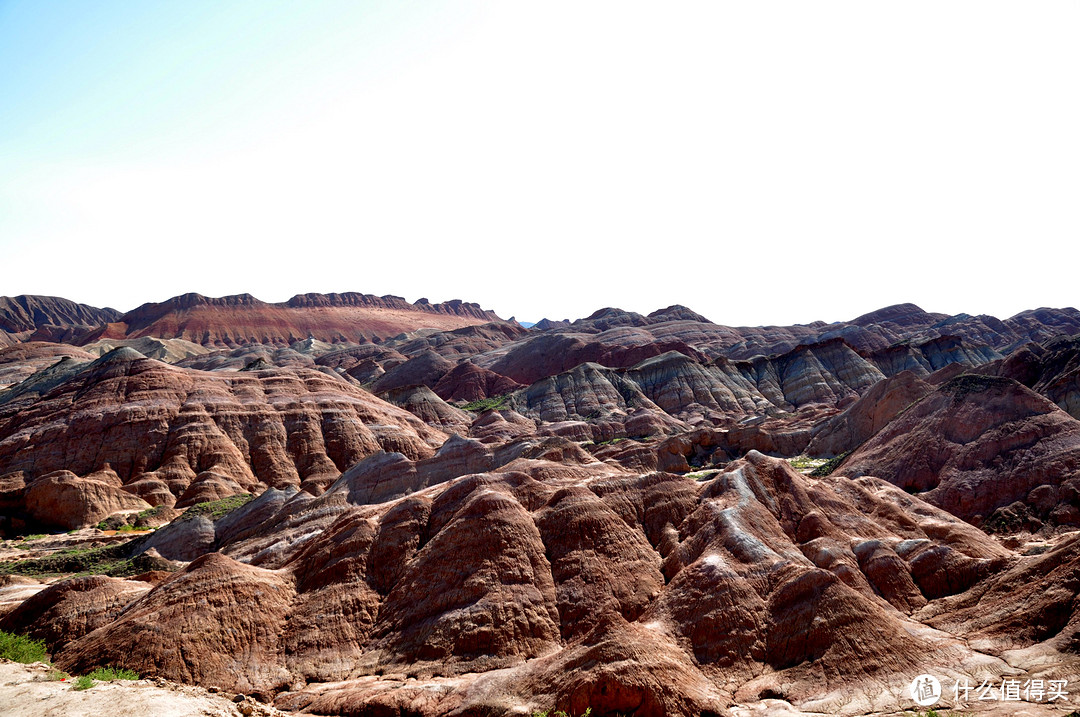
(760, 162)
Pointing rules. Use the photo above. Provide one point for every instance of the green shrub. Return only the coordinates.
(108, 674)
(83, 683)
(21, 649)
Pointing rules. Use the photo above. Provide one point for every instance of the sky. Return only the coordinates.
(761, 163)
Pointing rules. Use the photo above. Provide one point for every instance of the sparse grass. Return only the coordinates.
(35, 536)
(561, 713)
(703, 475)
(57, 675)
(492, 403)
(219, 508)
(83, 683)
(826, 468)
(18, 648)
(108, 674)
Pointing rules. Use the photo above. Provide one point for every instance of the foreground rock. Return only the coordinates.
(563, 582)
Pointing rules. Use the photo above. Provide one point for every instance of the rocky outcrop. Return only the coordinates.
(64, 500)
(468, 382)
(423, 403)
(1052, 370)
(20, 361)
(977, 444)
(242, 319)
(536, 358)
(861, 420)
(424, 369)
(173, 435)
(68, 610)
(219, 622)
(167, 350)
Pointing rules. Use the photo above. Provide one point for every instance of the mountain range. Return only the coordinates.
(367, 506)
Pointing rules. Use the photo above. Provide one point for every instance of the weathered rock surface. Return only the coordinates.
(862, 419)
(977, 444)
(218, 623)
(544, 554)
(1053, 371)
(423, 403)
(64, 500)
(66, 611)
(20, 361)
(173, 435)
(468, 382)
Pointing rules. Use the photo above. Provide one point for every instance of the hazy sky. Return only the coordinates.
(760, 162)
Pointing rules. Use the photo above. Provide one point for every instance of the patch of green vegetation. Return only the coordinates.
(972, 383)
(219, 508)
(703, 475)
(805, 462)
(108, 674)
(826, 469)
(561, 713)
(131, 521)
(57, 675)
(150, 513)
(18, 648)
(83, 683)
(492, 403)
(35, 536)
(112, 560)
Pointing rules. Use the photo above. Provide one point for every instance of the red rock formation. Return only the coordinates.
(546, 585)
(20, 361)
(26, 314)
(219, 622)
(977, 444)
(243, 319)
(469, 382)
(62, 499)
(66, 611)
(185, 436)
(881, 404)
